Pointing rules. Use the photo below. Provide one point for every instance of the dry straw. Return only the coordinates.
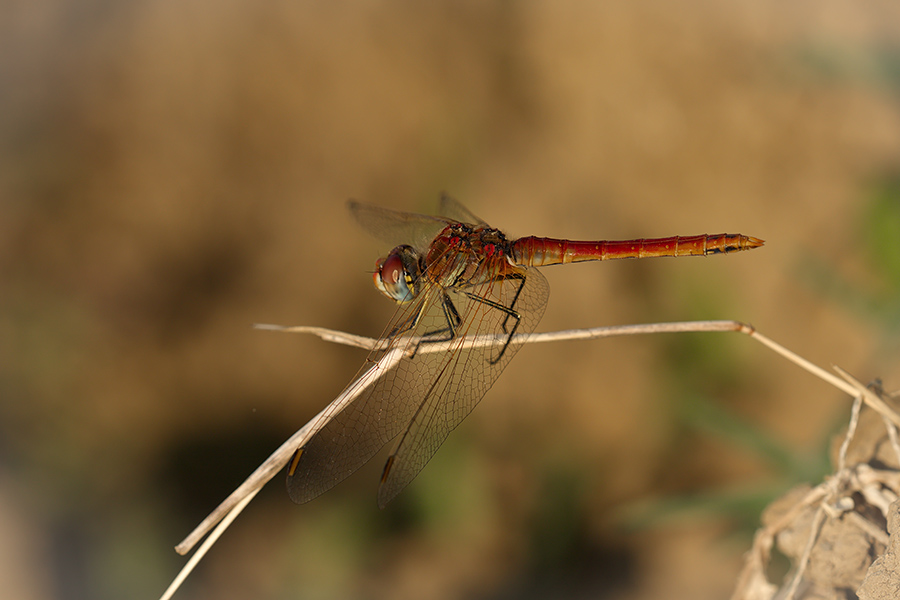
(799, 522)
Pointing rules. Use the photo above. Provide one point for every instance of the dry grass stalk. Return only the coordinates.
(752, 584)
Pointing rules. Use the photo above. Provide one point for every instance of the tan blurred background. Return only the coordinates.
(171, 173)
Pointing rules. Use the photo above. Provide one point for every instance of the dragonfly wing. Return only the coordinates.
(396, 227)
(465, 373)
(347, 436)
(452, 208)
(344, 441)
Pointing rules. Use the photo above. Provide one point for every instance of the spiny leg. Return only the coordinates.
(508, 310)
(512, 312)
(512, 305)
(451, 318)
(409, 323)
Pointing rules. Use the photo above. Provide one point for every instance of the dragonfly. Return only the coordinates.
(455, 279)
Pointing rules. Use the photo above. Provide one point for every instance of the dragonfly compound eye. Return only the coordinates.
(396, 275)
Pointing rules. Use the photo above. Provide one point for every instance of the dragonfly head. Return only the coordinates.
(397, 275)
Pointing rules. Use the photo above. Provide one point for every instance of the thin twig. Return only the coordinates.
(892, 435)
(228, 510)
(278, 459)
(341, 337)
(869, 396)
(815, 528)
(207, 544)
(851, 431)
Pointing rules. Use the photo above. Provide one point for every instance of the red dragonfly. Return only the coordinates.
(455, 279)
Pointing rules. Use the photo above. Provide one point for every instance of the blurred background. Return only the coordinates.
(173, 172)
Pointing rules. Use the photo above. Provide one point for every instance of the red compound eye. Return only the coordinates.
(392, 270)
(392, 278)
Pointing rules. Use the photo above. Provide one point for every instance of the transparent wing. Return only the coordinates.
(451, 208)
(396, 227)
(463, 375)
(427, 394)
(347, 438)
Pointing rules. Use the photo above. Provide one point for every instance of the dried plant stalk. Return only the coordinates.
(753, 577)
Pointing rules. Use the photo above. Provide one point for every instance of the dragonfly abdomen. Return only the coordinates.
(537, 251)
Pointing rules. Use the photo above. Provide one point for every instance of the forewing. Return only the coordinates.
(396, 227)
(425, 396)
(462, 376)
(347, 437)
(451, 207)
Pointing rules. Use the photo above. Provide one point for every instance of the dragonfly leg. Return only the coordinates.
(508, 310)
(511, 312)
(409, 323)
(445, 334)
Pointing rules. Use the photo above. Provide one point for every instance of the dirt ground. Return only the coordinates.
(171, 173)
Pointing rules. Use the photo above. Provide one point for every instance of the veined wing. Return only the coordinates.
(461, 376)
(396, 227)
(451, 208)
(426, 395)
(347, 436)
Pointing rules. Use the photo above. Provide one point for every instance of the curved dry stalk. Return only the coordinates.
(228, 510)
(869, 397)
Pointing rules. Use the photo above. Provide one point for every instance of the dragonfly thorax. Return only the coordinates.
(462, 255)
(397, 275)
